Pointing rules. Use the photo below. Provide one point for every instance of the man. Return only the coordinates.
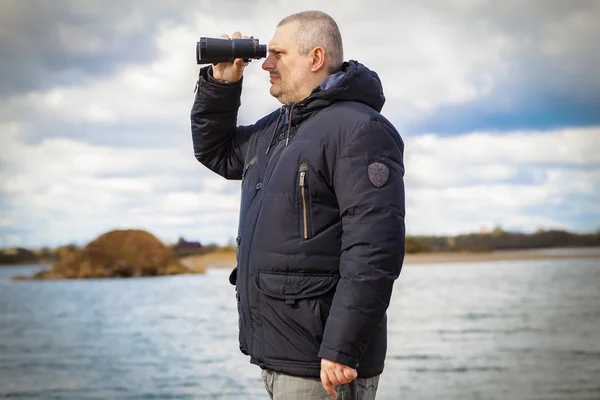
(321, 228)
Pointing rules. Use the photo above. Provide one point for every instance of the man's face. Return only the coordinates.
(289, 71)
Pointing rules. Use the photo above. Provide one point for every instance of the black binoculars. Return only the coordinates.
(214, 51)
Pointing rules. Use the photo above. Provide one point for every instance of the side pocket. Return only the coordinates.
(240, 310)
(241, 335)
(294, 307)
(233, 277)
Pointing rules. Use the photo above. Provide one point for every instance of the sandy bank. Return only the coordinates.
(227, 260)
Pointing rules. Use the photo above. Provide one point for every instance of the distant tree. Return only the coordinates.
(414, 245)
(497, 231)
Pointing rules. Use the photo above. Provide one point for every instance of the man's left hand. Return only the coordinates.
(335, 374)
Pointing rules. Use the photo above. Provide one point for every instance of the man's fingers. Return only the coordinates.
(224, 36)
(339, 374)
(327, 385)
(350, 374)
(333, 378)
(238, 62)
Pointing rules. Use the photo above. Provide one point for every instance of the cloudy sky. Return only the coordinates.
(498, 104)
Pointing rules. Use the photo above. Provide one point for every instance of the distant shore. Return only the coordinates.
(226, 260)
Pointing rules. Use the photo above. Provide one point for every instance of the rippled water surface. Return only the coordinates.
(502, 330)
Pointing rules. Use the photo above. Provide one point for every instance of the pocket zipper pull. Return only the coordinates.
(303, 169)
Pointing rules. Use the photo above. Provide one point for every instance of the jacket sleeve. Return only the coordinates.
(372, 209)
(219, 143)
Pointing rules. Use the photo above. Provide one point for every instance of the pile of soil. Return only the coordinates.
(118, 254)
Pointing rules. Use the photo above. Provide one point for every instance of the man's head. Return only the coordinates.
(305, 49)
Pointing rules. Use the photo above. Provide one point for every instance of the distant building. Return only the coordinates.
(16, 255)
(451, 242)
(184, 244)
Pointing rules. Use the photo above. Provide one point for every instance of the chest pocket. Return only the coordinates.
(304, 199)
(317, 205)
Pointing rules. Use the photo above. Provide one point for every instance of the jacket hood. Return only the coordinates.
(354, 82)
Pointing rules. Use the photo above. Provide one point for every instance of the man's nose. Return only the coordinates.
(268, 64)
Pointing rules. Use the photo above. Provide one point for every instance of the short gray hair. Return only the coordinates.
(318, 29)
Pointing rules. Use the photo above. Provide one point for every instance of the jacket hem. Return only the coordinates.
(310, 370)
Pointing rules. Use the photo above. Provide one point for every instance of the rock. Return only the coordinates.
(118, 254)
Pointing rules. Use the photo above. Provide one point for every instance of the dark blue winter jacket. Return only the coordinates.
(321, 229)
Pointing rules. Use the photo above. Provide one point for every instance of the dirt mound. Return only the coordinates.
(118, 254)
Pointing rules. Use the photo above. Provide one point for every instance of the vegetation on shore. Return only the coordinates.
(496, 239)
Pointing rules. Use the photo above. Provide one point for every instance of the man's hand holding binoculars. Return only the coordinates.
(230, 72)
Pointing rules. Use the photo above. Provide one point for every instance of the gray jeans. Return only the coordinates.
(287, 387)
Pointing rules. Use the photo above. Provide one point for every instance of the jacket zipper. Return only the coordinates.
(302, 183)
(246, 328)
(245, 254)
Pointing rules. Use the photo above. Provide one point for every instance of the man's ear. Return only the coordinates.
(318, 59)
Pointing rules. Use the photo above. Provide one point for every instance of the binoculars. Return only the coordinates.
(214, 51)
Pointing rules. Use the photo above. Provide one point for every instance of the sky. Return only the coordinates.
(498, 104)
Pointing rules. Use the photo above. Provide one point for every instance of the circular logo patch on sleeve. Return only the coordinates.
(378, 174)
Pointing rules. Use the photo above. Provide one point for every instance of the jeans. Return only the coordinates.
(286, 387)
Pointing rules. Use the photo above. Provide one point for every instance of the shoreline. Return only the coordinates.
(512, 255)
(227, 260)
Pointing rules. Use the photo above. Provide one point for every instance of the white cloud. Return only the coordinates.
(8, 241)
(187, 203)
(459, 184)
(71, 190)
(440, 160)
(62, 190)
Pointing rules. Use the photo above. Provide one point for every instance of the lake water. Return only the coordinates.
(502, 330)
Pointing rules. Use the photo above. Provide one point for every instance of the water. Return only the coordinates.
(503, 330)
